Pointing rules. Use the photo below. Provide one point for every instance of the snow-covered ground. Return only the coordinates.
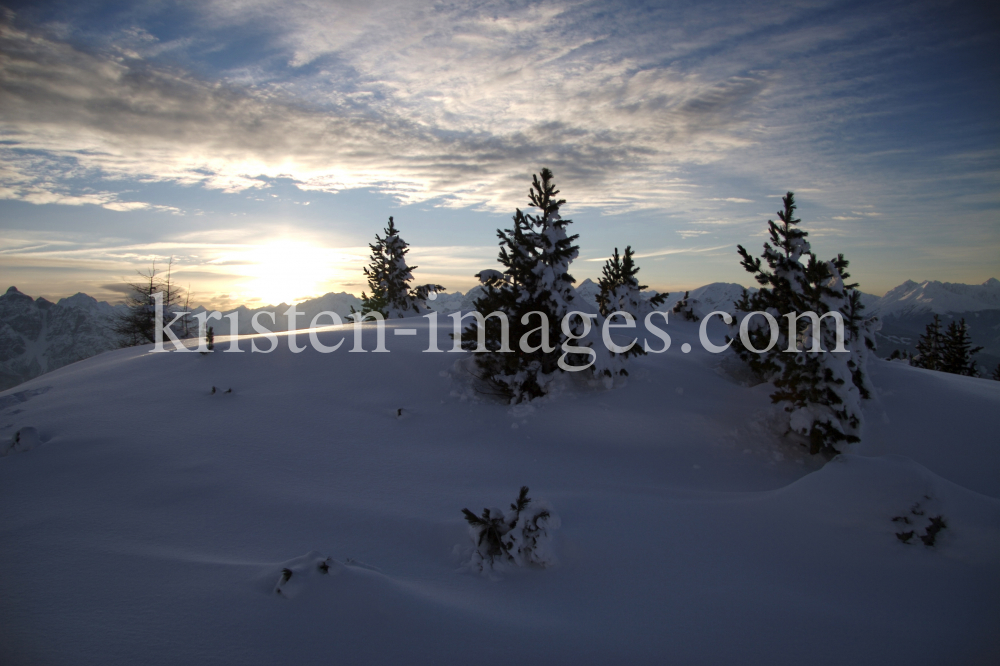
(149, 520)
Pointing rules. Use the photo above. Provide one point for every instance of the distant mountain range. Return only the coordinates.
(37, 336)
(906, 310)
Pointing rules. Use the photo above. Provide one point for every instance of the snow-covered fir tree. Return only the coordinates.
(389, 277)
(620, 288)
(535, 254)
(821, 387)
(620, 292)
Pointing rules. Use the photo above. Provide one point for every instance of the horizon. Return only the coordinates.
(255, 306)
(263, 145)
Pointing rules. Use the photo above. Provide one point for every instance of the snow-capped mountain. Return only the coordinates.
(341, 303)
(935, 297)
(37, 336)
(712, 297)
(906, 310)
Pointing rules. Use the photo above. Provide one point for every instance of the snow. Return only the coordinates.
(152, 521)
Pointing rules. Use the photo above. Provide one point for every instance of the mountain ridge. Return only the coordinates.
(38, 336)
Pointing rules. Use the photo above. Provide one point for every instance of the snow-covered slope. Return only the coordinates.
(150, 520)
(37, 336)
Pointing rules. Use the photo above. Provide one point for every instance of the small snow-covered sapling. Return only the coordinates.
(515, 536)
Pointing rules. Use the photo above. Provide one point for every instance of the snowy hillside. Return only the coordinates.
(312, 515)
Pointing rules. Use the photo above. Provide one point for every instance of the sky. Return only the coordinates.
(262, 144)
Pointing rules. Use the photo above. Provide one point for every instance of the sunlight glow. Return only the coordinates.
(289, 271)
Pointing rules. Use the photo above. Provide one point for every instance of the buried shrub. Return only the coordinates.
(520, 536)
(909, 525)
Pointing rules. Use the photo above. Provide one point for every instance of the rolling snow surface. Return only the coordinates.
(153, 520)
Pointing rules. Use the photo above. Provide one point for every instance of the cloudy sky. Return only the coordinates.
(262, 144)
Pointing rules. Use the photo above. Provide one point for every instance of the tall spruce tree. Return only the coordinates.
(821, 389)
(535, 254)
(389, 277)
(930, 347)
(958, 350)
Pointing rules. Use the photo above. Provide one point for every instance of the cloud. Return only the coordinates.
(117, 287)
(674, 250)
(459, 113)
(681, 108)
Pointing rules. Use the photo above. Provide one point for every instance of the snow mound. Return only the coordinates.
(299, 573)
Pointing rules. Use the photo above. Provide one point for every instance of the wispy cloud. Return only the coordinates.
(453, 105)
(673, 250)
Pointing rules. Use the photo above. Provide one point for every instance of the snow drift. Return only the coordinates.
(156, 522)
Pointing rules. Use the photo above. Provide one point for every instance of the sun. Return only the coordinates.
(288, 271)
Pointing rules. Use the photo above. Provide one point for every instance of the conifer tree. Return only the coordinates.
(948, 350)
(535, 254)
(389, 278)
(996, 373)
(930, 347)
(958, 350)
(620, 292)
(821, 389)
(684, 309)
(620, 288)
